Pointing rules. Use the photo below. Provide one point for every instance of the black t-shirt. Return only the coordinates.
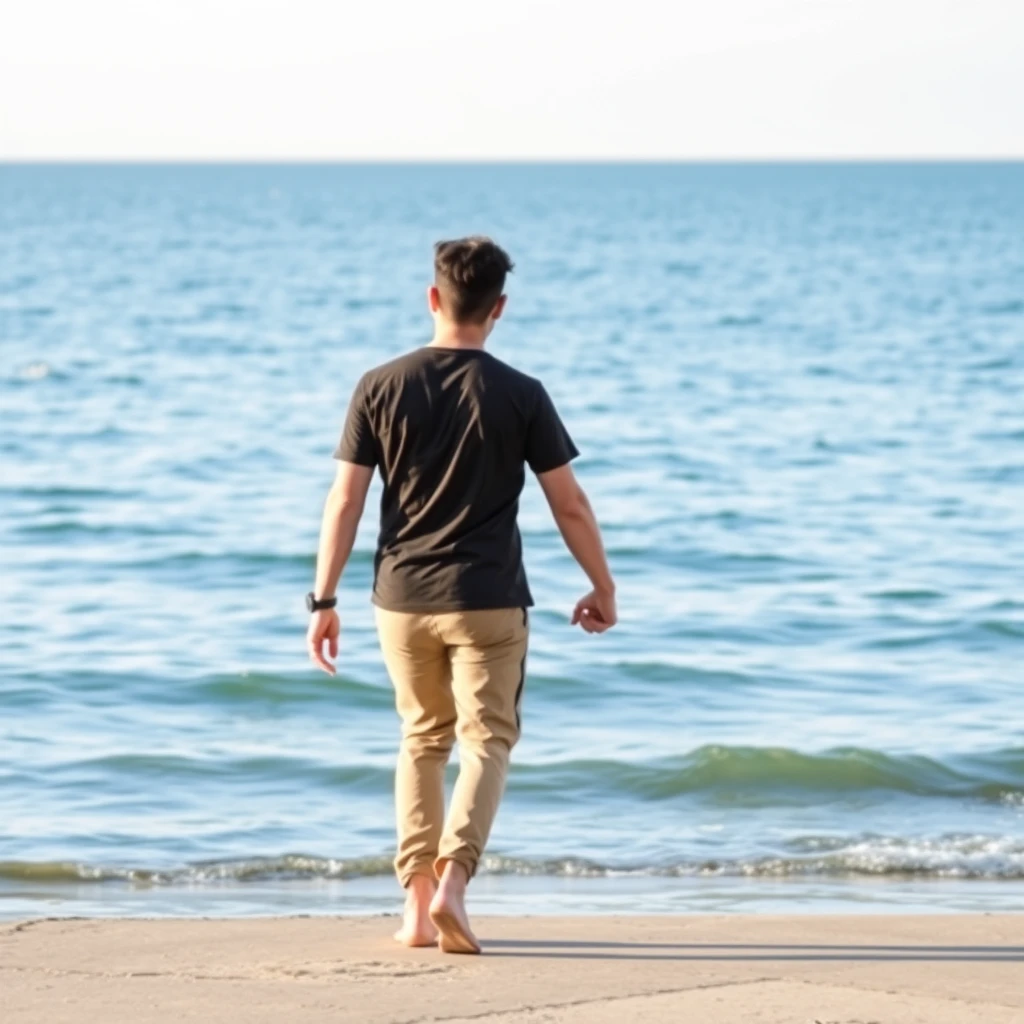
(451, 431)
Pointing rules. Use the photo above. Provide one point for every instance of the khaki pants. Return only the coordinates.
(456, 675)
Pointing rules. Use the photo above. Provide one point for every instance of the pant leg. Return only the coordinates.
(418, 664)
(488, 662)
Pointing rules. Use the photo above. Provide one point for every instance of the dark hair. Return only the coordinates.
(470, 275)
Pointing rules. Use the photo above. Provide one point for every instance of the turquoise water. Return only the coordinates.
(799, 393)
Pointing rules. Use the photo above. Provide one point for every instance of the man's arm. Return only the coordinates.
(342, 512)
(596, 611)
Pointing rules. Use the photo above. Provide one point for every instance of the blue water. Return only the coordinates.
(799, 393)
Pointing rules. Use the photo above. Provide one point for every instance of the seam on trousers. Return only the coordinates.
(522, 676)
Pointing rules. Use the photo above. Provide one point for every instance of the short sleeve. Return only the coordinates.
(548, 444)
(357, 443)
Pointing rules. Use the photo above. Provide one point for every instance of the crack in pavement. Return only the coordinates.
(364, 971)
(23, 926)
(533, 1007)
(904, 993)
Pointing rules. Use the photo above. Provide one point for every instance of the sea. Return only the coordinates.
(798, 391)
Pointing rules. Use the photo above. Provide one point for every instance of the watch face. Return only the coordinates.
(310, 602)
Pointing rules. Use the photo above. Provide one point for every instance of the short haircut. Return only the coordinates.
(470, 275)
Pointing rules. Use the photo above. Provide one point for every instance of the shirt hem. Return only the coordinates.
(440, 607)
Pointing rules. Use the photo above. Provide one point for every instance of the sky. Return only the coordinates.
(467, 79)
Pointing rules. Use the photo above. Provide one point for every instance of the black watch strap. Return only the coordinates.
(314, 605)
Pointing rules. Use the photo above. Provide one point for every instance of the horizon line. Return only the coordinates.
(420, 161)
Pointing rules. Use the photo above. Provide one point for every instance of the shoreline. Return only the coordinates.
(773, 969)
(511, 894)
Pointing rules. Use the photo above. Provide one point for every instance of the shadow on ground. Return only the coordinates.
(755, 951)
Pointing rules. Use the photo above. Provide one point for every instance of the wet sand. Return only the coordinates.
(943, 969)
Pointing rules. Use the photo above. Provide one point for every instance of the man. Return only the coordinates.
(451, 429)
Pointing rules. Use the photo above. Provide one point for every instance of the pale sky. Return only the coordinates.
(524, 79)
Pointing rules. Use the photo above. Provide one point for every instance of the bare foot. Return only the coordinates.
(448, 911)
(417, 929)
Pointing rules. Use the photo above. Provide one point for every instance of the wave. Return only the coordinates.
(199, 560)
(998, 775)
(38, 370)
(967, 857)
(292, 688)
(62, 491)
(746, 777)
(1007, 308)
(253, 869)
(952, 857)
(738, 320)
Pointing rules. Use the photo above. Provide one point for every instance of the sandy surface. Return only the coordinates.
(593, 970)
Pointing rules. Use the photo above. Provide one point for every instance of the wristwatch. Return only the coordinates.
(319, 606)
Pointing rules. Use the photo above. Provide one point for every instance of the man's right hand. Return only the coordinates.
(596, 612)
(324, 629)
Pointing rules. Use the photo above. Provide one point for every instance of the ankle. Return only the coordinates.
(455, 876)
(420, 888)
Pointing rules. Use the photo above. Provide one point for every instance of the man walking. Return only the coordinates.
(451, 429)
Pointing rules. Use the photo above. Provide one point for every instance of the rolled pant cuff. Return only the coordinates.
(463, 857)
(408, 872)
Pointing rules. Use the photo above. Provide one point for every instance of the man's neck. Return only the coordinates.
(469, 336)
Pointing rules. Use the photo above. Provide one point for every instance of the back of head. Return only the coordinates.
(469, 274)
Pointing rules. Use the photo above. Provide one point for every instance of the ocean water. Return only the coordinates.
(799, 394)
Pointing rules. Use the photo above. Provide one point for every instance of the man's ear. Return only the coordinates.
(499, 308)
(434, 299)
